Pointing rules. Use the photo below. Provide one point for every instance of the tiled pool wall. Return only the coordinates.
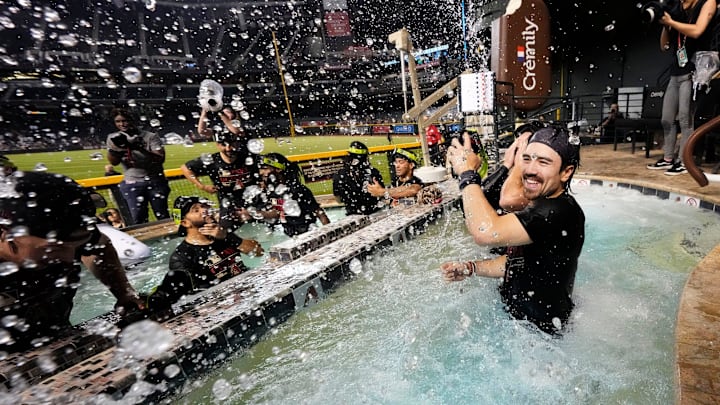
(688, 200)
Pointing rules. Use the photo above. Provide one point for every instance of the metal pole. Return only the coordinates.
(402, 77)
(282, 81)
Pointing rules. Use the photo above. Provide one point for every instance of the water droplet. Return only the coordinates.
(145, 339)
(7, 268)
(172, 370)
(259, 57)
(104, 73)
(182, 118)
(67, 40)
(132, 74)
(355, 265)
(292, 208)
(206, 158)
(245, 115)
(256, 145)
(140, 199)
(40, 167)
(154, 122)
(67, 160)
(609, 27)
(222, 389)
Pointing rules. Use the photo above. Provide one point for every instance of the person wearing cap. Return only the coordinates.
(285, 200)
(406, 185)
(141, 154)
(231, 170)
(543, 240)
(208, 254)
(434, 141)
(47, 228)
(350, 184)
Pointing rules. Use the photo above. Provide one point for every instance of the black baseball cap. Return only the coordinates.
(182, 206)
(44, 203)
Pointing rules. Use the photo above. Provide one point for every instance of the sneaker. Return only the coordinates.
(661, 164)
(677, 168)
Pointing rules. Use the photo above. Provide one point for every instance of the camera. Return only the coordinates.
(653, 11)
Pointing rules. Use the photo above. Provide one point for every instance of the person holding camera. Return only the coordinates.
(684, 34)
(141, 155)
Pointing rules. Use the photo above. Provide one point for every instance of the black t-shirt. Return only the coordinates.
(691, 44)
(350, 185)
(539, 277)
(194, 268)
(404, 183)
(230, 179)
(295, 220)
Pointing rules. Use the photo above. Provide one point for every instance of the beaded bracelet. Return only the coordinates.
(469, 177)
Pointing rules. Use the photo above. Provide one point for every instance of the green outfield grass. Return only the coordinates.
(79, 165)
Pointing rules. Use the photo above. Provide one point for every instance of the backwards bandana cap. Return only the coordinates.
(409, 156)
(561, 142)
(272, 162)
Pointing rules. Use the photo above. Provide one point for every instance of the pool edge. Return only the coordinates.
(697, 327)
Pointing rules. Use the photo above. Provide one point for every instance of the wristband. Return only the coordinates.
(469, 177)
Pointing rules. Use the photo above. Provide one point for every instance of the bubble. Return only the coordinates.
(609, 27)
(222, 389)
(256, 145)
(259, 57)
(40, 167)
(132, 74)
(145, 339)
(355, 265)
(7, 268)
(292, 208)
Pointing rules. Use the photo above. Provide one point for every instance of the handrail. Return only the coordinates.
(687, 156)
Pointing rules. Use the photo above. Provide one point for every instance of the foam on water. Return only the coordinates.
(405, 336)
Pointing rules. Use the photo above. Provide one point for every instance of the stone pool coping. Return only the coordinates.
(697, 329)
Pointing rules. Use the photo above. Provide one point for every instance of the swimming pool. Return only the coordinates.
(399, 334)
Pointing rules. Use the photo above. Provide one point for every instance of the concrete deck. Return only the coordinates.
(697, 331)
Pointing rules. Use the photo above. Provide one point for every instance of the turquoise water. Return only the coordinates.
(399, 334)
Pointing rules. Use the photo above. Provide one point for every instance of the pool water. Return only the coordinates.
(399, 334)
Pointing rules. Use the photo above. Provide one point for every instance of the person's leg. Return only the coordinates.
(669, 111)
(685, 111)
(158, 192)
(134, 197)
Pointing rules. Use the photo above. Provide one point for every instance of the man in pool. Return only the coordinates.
(47, 227)
(207, 256)
(350, 184)
(406, 185)
(543, 240)
(231, 170)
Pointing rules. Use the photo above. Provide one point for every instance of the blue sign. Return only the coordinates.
(454, 127)
(403, 129)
